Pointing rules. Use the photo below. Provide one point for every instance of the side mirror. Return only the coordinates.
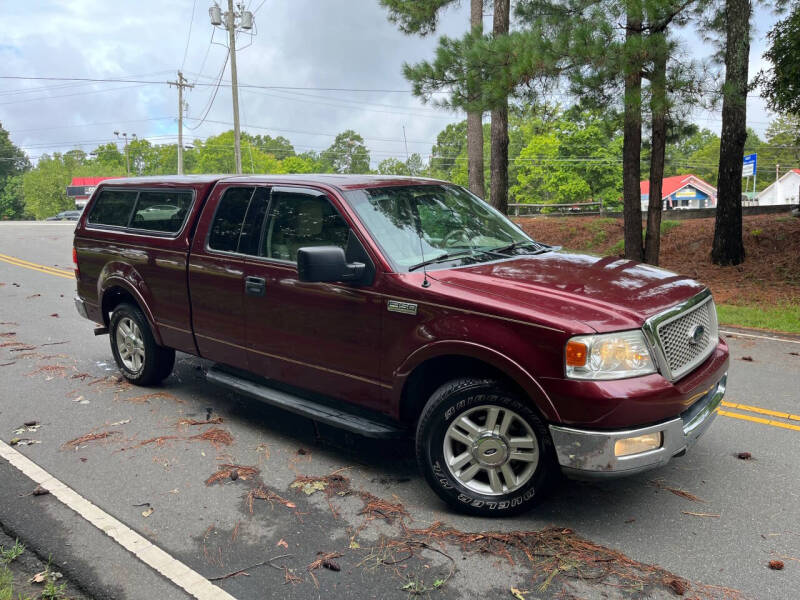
(326, 264)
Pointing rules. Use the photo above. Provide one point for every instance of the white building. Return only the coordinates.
(784, 191)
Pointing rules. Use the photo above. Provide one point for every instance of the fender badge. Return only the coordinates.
(406, 308)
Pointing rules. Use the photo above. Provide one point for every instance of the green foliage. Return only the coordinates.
(13, 160)
(6, 584)
(450, 144)
(348, 154)
(415, 16)
(297, 164)
(569, 161)
(12, 200)
(278, 146)
(52, 591)
(8, 555)
(781, 85)
(45, 187)
(667, 226)
(393, 166)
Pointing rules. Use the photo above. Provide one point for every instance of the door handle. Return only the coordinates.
(255, 286)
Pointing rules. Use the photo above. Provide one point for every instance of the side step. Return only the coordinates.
(337, 417)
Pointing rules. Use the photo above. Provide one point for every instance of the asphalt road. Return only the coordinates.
(733, 519)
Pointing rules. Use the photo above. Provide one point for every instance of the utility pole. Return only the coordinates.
(233, 20)
(127, 160)
(180, 84)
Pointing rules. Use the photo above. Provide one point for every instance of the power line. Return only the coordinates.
(189, 37)
(213, 96)
(263, 87)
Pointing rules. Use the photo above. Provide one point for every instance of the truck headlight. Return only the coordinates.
(608, 356)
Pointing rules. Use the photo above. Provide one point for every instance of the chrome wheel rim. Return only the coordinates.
(130, 344)
(491, 450)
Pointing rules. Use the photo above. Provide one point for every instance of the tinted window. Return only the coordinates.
(162, 210)
(251, 230)
(228, 219)
(113, 207)
(300, 220)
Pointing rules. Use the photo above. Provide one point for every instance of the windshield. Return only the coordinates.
(436, 223)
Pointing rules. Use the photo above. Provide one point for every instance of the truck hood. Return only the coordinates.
(607, 294)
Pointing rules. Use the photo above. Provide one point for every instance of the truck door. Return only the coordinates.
(318, 336)
(217, 262)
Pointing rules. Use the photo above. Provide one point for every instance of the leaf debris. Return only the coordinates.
(228, 471)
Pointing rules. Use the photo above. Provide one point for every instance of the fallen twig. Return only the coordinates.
(697, 514)
(677, 491)
(267, 562)
(89, 437)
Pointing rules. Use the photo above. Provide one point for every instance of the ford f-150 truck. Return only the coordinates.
(404, 306)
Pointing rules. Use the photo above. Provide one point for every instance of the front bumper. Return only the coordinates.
(590, 454)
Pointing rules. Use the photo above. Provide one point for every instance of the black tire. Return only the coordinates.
(466, 397)
(157, 362)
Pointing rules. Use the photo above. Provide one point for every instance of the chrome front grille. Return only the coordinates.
(684, 336)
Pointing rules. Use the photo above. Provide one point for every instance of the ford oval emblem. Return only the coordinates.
(695, 334)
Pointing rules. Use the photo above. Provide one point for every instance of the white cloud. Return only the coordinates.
(314, 43)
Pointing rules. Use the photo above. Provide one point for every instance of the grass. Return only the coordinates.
(7, 556)
(10, 554)
(51, 591)
(781, 318)
(666, 226)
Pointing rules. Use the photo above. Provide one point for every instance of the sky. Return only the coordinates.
(301, 44)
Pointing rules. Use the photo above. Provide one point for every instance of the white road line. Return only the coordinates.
(761, 337)
(153, 556)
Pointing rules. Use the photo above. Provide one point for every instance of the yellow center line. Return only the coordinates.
(18, 262)
(734, 415)
(763, 411)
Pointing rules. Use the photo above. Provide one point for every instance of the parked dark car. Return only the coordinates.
(66, 215)
(405, 306)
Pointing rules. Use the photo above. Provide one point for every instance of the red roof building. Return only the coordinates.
(81, 188)
(682, 191)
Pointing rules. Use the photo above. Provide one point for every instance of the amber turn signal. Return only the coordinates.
(576, 354)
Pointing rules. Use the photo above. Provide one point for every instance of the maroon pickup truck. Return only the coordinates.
(404, 306)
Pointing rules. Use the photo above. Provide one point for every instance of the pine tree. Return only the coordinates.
(728, 246)
(421, 17)
(499, 135)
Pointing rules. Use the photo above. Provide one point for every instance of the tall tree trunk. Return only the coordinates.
(499, 159)
(728, 247)
(632, 135)
(475, 122)
(658, 142)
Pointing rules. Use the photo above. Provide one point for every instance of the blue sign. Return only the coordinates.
(749, 165)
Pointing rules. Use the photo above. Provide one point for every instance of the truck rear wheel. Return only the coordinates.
(483, 450)
(139, 358)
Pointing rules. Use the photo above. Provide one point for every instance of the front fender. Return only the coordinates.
(485, 354)
(121, 275)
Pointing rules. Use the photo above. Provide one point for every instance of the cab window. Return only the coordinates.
(229, 218)
(298, 220)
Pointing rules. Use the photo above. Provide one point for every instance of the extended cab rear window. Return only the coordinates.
(113, 207)
(159, 211)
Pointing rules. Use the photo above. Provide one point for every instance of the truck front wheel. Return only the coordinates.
(139, 358)
(483, 450)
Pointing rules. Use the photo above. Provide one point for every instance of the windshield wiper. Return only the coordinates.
(514, 245)
(441, 257)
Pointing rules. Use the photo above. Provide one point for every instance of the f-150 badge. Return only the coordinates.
(407, 308)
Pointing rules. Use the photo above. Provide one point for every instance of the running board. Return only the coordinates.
(362, 425)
